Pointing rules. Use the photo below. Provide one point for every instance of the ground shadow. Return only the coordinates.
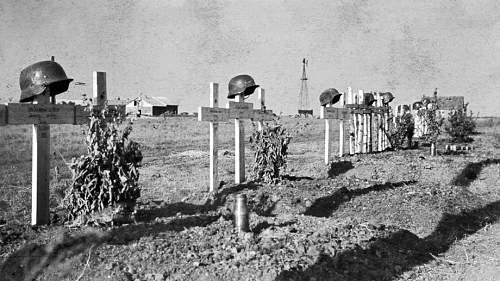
(325, 206)
(265, 225)
(338, 168)
(388, 257)
(468, 174)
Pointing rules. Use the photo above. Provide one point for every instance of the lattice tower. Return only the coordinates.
(304, 93)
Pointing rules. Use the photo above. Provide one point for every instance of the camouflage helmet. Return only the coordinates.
(387, 97)
(241, 84)
(36, 78)
(329, 96)
(368, 99)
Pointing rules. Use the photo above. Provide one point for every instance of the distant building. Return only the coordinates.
(151, 106)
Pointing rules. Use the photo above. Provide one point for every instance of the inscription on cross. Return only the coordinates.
(237, 110)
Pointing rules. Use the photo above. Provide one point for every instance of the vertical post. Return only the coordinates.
(40, 170)
(214, 102)
(352, 122)
(328, 123)
(369, 127)
(261, 97)
(99, 93)
(364, 146)
(380, 133)
(239, 151)
(341, 127)
(359, 133)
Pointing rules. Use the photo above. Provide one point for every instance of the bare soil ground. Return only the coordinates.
(396, 215)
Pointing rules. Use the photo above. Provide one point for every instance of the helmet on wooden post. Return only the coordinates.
(329, 96)
(387, 97)
(241, 84)
(368, 99)
(36, 78)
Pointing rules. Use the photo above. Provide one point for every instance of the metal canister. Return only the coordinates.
(433, 149)
(447, 147)
(240, 213)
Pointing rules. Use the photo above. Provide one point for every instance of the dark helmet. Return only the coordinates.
(368, 98)
(241, 84)
(417, 105)
(387, 97)
(329, 96)
(36, 78)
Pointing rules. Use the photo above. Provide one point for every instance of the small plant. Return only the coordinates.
(403, 131)
(108, 174)
(432, 121)
(460, 126)
(271, 149)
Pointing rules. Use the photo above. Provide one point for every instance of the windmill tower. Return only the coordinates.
(304, 93)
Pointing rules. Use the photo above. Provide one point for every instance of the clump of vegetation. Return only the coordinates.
(460, 126)
(433, 123)
(108, 174)
(270, 147)
(402, 134)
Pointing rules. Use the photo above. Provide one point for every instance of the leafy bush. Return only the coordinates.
(271, 149)
(108, 174)
(460, 126)
(402, 132)
(432, 121)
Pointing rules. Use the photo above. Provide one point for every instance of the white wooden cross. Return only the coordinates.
(330, 113)
(41, 115)
(237, 110)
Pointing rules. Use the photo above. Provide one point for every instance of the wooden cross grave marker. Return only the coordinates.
(41, 115)
(237, 110)
(360, 117)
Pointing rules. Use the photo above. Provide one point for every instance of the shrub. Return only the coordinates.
(270, 147)
(108, 174)
(403, 131)
(432, 121)
(460, 126)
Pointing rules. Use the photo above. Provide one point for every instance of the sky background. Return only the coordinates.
(176, 48)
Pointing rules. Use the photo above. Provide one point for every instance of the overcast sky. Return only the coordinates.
(175, 48)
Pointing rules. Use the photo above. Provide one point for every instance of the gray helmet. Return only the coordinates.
(368, 98)
(36, 78)
(241, 84)
(329, 96)
(387, 97)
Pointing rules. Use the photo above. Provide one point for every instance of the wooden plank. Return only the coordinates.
(99, 92)
(3, 114)
(262, 115)
(214, 103)
(40, 170)
(240, 110)
(327, 133)
(40, 113)
(212, 114)
(239, 137)
(341, 127)
(335, 113)
(351, 122)
(261, 97)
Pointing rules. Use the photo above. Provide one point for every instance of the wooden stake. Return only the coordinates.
(239, 139)
(99, 93)
(341, 128)
(214, 102)
(40, 170)
(352, 123)
(380, 133)
(261, 97)
(328, 123)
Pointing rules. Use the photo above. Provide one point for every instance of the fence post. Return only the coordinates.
(341, 127)
(214, 102)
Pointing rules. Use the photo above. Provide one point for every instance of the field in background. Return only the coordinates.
(175, 157)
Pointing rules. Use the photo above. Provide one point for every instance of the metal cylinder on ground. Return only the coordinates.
(433, 149)
(240, 213)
